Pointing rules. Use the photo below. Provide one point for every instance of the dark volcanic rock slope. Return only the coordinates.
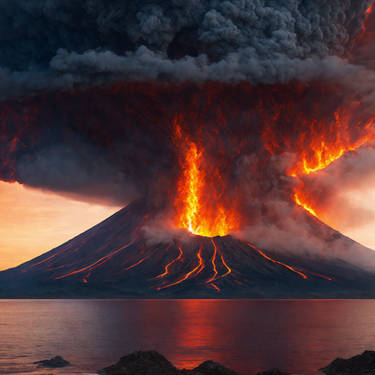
(113, 259)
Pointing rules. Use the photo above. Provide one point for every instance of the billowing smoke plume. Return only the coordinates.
(68, 43)
(91, 92)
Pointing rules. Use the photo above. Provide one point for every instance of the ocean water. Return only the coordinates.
(299, 336)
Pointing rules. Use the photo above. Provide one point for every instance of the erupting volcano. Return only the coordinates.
(226, 130)
(194, 236)
(115, 259)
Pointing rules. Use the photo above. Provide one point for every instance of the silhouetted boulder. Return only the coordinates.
(363, 364)
(209, 368)
(141, 363)
(55, 362)
(272, 372)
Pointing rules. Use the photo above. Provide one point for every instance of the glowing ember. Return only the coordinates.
(200, 203)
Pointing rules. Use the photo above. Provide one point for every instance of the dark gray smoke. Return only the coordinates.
(53, 44)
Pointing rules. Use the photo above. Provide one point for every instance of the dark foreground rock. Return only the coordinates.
(141, 363)
(55, 362)
(153, 363)
(209, 368)
(363, 364)
(272, 372)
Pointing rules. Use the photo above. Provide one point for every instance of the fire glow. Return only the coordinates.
(195, 188)
(321, 153)
(199, 200)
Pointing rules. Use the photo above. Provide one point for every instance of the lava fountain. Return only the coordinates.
(200, 202)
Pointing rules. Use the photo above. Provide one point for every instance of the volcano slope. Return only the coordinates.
(115, 259)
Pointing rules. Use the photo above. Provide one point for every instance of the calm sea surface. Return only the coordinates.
(246, 335)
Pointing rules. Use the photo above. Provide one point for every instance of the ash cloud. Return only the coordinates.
(62, 44)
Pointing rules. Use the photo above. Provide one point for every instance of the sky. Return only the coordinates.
(34, 221)
(365, 233)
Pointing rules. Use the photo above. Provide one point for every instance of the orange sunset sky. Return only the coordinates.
(33, 222)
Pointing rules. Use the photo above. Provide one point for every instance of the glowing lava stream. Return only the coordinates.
(319, 275)
(138, 263)
(96, 264)
(295, 270)
(166, 270)
(215, 275)
(195, 271)
(213, 278)
(278, 262)
(229, 270)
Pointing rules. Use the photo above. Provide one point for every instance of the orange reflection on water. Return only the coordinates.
(198, 332)
(198, 336)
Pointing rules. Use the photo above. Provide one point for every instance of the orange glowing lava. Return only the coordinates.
(303, 204)
(215, 275)
(278, 262)
(94, 265)
(201, 207)
(195, 271)
(320, 275)
(166, 269)
(322, 153)
(320, 144)
(229, 270)
(213, 278)
(138, 263)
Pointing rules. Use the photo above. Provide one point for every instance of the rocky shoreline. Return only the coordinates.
(153, 363)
